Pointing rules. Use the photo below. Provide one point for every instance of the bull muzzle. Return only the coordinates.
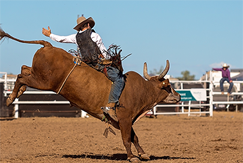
(173, 98)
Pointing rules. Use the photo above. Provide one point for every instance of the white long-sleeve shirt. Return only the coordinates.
(72, 39)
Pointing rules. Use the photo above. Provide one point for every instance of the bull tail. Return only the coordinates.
(42, 42)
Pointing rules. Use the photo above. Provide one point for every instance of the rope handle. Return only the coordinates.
(76, 63)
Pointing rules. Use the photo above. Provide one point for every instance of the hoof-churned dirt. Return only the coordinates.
(166, 139)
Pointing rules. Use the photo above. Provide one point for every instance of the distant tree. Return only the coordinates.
(186, 76)
(155, 71)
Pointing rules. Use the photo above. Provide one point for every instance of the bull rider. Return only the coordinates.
(92, 50)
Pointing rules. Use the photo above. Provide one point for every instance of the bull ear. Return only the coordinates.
(165, 70)
(145, 72)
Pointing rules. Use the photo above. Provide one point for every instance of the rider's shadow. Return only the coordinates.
(119, 156)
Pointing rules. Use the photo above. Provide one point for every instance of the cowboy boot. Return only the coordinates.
(110, 109)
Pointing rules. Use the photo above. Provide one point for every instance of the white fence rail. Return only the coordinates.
(17, 102)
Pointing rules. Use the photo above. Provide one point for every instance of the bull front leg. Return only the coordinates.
(126, 129)
(141, 153)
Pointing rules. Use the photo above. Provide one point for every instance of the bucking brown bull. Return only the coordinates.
(88, 89)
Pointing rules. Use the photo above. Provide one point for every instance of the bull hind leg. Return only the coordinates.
(20, 84)
(15, 91)
(25, 70)
(141, 153)
(22, 89)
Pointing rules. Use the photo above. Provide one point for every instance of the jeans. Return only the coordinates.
(222, 82)
(118, 84)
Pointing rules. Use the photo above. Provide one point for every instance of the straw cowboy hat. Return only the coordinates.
(82, 20)
(225, 65)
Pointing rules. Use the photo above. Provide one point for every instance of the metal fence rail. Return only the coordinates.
(16, 102)
(189, 105)
(155, 112)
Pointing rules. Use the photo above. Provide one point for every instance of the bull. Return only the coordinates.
(88, 89)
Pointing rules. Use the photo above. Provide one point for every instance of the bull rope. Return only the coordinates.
(76, 63)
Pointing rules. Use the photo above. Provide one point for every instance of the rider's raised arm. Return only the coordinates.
(64, 39)
(217, 69)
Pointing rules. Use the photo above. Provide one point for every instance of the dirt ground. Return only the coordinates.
(176, 138)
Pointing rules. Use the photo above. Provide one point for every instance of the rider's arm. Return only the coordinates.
(217, 69)
(65, 39)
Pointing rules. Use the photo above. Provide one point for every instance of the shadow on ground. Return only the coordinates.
(101, 157)
(119, 156)
(170, 158)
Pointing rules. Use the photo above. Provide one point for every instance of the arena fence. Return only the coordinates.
(202, 107)
(179, 108)
(16, 103)
(58, 106)
(184, 107)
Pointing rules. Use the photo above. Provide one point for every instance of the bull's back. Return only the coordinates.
(50, 65)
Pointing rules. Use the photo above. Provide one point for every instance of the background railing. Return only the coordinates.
(209, 86)
(189, 104)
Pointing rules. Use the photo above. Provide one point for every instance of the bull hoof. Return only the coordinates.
(9, 101)
(134, 160)
(144, 156)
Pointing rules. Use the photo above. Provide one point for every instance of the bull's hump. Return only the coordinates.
(133, 76)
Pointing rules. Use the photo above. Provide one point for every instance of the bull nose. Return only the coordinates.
(177, 98)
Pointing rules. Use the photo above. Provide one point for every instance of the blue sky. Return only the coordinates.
(193, 35)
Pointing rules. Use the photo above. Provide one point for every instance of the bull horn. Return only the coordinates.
(165, 70)
(145, 72)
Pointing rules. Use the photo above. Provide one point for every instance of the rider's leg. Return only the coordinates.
(116, 89)
(222, 85)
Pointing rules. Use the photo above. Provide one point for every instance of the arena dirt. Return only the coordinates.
(169, 139)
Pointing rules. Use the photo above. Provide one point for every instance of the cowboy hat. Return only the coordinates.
(82, 20)
(225, 65)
